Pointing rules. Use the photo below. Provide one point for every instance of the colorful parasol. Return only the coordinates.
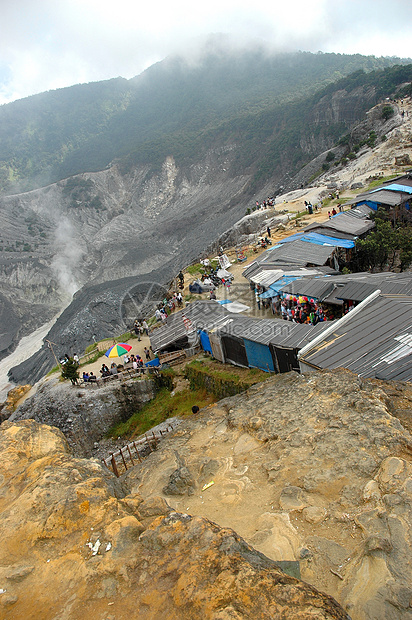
(117, 350)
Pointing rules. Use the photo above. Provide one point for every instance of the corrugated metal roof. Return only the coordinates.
(353, 286)
(349, 223)
(397, 284)
(376, 342)
(251, 269)
(302, 334)
(301, 253)
(384, 197)
(324, 229)
(266, 277)
(354, 222)
(203, 314)
(268, 330)
(264, 264)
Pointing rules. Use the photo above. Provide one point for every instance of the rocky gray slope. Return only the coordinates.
(85, 415)
(105, 234)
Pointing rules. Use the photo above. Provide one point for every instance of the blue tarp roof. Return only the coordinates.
(320, 239)
(279, 284)
(326, 240)
(395, 187)
(267, 294)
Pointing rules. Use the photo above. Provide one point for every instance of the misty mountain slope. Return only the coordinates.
(105, 309)
(164, 111)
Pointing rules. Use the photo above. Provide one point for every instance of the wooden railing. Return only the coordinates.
(132, 453)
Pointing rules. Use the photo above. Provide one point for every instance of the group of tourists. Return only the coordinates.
(300, 310)
(168, 305)
(295, 308)
(268, 202)
(89, 377)
(140, 327)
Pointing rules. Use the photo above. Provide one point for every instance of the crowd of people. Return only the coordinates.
(167, 305)
(295, 308)
(140, 327)
(268, 202)
(301, 310)
(134, 361)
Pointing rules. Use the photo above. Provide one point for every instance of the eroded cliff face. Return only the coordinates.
(75, 545)
(109, 225)
(85, 415)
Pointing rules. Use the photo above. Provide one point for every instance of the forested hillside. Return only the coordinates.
(178, 108)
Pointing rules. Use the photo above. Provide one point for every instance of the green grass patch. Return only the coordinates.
(123, 337)
(90, 348)
(53, 370)
(222, 380)
(298, 215)
(378, 181)
(161, 407)
(194, 269)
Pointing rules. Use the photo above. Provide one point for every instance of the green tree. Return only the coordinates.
(386, 246)
(405, 247)
(387, 112)
(378, 248)
(69, 371)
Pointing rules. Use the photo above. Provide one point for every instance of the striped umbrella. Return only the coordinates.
(117, 350)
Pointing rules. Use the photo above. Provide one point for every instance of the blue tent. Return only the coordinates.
(267, 294)
(279, 284)
(154, 362)
(320, 239)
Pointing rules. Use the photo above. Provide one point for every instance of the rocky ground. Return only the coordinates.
(77, 544)
(310, 468)
(312, 471)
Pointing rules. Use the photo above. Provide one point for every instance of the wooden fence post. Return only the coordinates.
(123, 459)
(114, 466)
(130, 454)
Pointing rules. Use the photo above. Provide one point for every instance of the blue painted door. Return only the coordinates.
(259, 356)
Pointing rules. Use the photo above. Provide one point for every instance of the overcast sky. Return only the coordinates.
(48, 44)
